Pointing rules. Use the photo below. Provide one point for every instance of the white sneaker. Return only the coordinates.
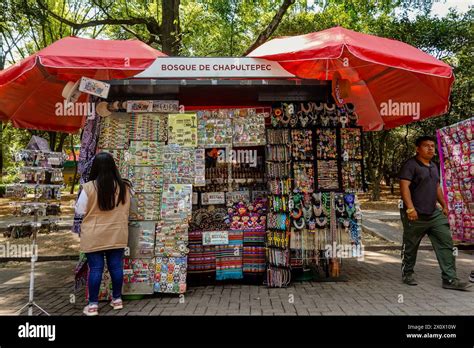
(91, 310)
(117, 304)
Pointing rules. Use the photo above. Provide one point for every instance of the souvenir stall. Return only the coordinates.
(255, 192)
(456, 150)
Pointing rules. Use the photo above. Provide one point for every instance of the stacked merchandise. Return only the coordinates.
(42, 176)
(172, 238)
(136, 142)
(278, 218)
(456, 147)
(202, 251)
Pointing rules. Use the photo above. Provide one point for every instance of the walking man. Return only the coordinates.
(420, 191)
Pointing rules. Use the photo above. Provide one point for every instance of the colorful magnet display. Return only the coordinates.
(114, 131)
(182, 130)
(170, 275)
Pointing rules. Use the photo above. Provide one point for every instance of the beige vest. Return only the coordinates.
(103, 230)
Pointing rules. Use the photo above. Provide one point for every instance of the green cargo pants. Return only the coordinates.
(437, 228)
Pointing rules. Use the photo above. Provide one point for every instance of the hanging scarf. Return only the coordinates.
(90, 137)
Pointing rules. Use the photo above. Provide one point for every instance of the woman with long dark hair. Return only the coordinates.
(105, 203)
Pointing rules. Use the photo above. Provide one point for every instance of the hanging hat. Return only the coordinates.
(71, 91)
(102, 109)
(115, 106)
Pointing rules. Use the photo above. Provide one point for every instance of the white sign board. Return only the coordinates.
(209, 198)
(215, 238)
(94, 87)
(176, 67)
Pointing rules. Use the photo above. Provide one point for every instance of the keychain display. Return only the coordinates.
(302, 144)
(138, 275)
(149, 127)
(326, 145)
(352, 176)
(170, 275)
(178, 164)
(278, 170)
(351, 144)
(249, 128)
(41, 175)
(278, 137)
(278, 153)
(328, 175)
(37, 158)
(304, 176)
(114, 131)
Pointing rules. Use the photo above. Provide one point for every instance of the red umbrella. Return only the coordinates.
(31, 89)
(391, 83)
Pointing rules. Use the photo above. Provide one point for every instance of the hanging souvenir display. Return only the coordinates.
(170, 275)
(249, 128)
(178, 164)
(176, 202)
(278, 137)
(114, 131)
(456, 149)
(42, 177)
(199, 168)
(144, 153)
(145, 206)
(182, 130)
(149, 127)
(351, 144)
(328, 175)
(352, 176)
(171, 240)
(302, 145)
(326, 145)
(138, 275)
(304, 176)
(141, 238)
(215, 127)
(146, 179)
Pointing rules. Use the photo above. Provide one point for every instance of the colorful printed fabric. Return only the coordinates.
(254, 259)
(229, 258)
(201, 259)
(456, 148)
(89, 140)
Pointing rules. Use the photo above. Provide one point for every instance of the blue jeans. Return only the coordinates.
(96, 268)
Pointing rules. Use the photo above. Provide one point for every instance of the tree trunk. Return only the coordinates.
(170, 28)
(62, 138)
(74, 178)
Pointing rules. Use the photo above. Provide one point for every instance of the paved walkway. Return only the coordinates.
(386, 225)
(373, 287)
